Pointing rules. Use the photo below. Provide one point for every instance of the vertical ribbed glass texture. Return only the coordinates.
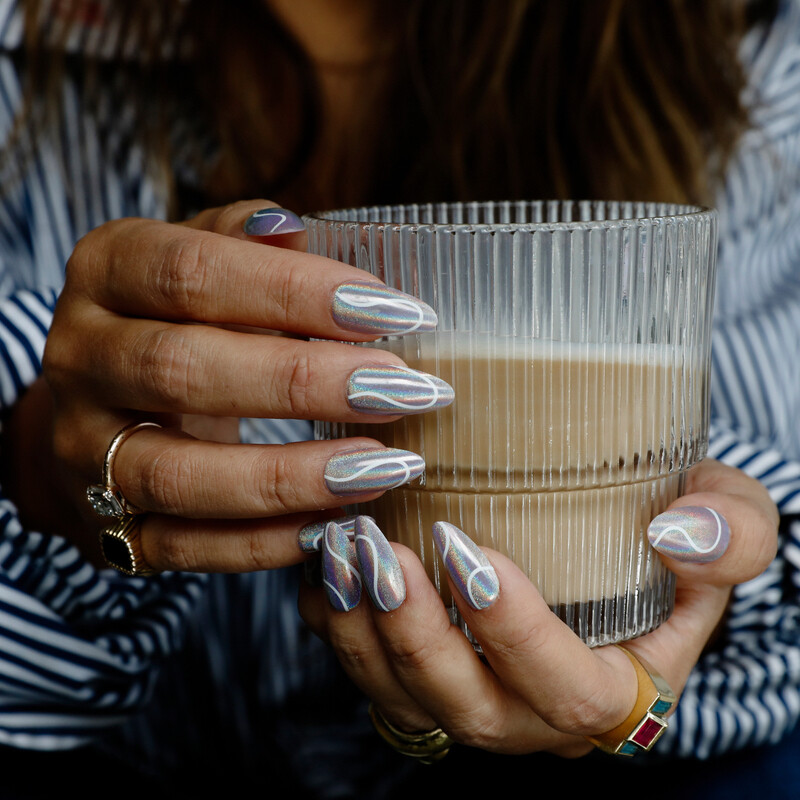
(577, 338)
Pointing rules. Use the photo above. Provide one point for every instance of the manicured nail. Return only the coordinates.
(363, 471)
(383, 576)
(396, 390)
(310, 537)
(692, 534)
(374, 308)
(339, 574)
(272, 221)
(472, 574)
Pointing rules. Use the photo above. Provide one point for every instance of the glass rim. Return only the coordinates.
(357, 216)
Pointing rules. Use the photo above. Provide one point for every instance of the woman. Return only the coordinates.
(120, 351)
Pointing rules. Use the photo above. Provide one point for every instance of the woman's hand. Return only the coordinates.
(542, 688)
(176, 324)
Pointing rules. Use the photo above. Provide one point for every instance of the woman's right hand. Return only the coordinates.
(177, 324)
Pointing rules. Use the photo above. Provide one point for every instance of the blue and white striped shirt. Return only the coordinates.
(82, 649)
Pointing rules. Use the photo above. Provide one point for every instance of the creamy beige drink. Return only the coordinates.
(556, 454)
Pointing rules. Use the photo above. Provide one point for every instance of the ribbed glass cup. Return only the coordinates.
(576, 335)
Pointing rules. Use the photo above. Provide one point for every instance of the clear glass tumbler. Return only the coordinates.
(576, 335)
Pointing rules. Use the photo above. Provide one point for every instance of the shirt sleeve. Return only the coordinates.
(746, 692)
(79, 647)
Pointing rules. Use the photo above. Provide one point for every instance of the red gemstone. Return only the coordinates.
(649, 732)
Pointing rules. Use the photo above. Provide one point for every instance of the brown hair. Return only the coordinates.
(474, 100)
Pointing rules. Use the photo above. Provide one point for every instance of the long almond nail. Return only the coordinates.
(472, 574)
(273, 221)
(310, 537)
(394, 389)
(339, 574)
(374, 308)
(363, 471)
(692, 534)
(379, 566)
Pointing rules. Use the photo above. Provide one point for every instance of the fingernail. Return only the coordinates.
(472, 574)
(396, 390)
(374, 308)
(692, 534)
(379, 565)
(272, 221)
(339, 574)
(310, 537)
(364, 471)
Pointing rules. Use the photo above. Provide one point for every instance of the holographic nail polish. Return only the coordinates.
(273, 221)
(472, 574)
(692, 534)
(339, 573)
(363, 471)
(379, 566)
(310, 537)
(396, 390)
(375, 308)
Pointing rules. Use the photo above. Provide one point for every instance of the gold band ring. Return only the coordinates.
(641, 729)
(107, 499)
(122, 548)
(427, 746)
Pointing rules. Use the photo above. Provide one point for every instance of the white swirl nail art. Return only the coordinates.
(368, 470)
(379, 566)
(691, 534)
(373, 308)
(340, 577)
(388, 389)
(310, 537)
(472, 574)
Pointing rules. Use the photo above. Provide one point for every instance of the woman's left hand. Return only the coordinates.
(542, 688)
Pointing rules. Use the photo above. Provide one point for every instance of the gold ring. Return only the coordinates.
(427, 746)
(107, 499)
(641, 729)
(122, 548)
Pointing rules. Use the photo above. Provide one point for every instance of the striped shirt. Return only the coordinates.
(82, 650)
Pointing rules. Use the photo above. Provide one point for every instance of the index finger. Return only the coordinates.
(157, 270)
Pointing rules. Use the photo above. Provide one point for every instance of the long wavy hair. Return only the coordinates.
(463, 99)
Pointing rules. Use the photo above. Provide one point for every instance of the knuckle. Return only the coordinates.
(167, 366)
(61, 358)
(168, 551)
(581, 716)
(96, 252)
(181, 275)
(282, 286)
(413, 655)
(353, 650)
(518, 642)
(296, 374)
(88, 254)
(480, 727)
(162, 481)
(275, 483)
